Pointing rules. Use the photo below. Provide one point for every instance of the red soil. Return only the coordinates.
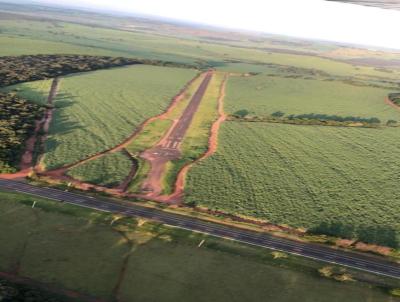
(390, 103)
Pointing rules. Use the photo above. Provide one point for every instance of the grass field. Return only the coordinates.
(98, 110)
(109, 170)
(79, 250)
(263, 95)
(303, 176)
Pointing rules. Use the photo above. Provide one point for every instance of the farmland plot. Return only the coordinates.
(263, 95)
(98, 110)
(304, 176)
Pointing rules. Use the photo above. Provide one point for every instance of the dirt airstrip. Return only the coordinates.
(168, 148)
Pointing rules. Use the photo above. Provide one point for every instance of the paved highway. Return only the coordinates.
(326, 254)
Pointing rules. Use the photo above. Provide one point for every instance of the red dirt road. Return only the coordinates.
(390, 103)
(168, 148)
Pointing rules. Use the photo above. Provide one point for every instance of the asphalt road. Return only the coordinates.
(326, 254)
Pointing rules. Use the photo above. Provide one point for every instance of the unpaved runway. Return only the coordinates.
(168, 148)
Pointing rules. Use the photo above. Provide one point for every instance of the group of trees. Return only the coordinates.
(336, 118)
(17, 121)
(381, 235)
(395, 98)
(19, 69)
(310, 119)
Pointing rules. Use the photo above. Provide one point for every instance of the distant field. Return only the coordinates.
(109, 170)
(77, 249)
(31, 37)
(264, 95)
(303, 176)
(98, 110)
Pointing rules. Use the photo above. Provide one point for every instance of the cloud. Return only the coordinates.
(315, 19)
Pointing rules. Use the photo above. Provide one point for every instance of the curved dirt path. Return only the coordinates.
(212, 148)
(392, 104)
(59, 172)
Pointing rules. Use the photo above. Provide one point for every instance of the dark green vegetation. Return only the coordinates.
(310, 119)
(17, 122)
(14, 70)
(17, 292)
(395, 98)
(341, 181)
(107, 256)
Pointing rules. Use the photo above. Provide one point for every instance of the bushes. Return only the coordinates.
(14, 70)
(38, 67)
(17, 121)
(378, 234)
(395, 98)
(310, 119)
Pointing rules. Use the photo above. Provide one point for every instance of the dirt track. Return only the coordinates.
(168, 148)
(390, 103)
(26, 163)
(47, 119)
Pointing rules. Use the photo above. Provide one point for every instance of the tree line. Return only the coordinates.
(395, 98)
(309, 119)
(18, 69)
(379, 234)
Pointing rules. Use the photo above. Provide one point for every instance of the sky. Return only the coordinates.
(316, 19)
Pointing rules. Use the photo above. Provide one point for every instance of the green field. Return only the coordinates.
(81, 250)
(303, 176)
(263, 95)
(109, 170)
(96, 111)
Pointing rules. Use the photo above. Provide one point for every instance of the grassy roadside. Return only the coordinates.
(65, 244)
